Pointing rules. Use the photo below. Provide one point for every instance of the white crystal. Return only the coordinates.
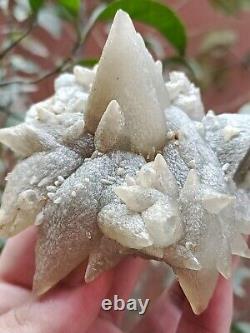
(57, 201)
(84, 76)
(130, 181)
(239, 246)
(225, 167)
(73, 194)
(51, 195)
(140, 93)
(44, 115)
(51, 188)
(39, 219)
(75, 131)
(165, 181)
(27, 199)
(117, 223)
(159, 66)
(120, 171)
(214, 202)
(135, 197)
(229, 132)
(110, 128)
(163, 223)
(145, 177)
(22, 139)
(191, 186)
(60, 179)
(64, 80)
(224, 259)
(185, 95)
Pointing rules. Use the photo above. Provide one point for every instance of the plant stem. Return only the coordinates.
(80, 39)
(56, 70)
(17, 41)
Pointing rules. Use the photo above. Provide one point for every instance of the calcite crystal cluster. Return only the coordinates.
(119, 162)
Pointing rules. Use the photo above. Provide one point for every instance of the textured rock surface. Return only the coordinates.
(118, 162)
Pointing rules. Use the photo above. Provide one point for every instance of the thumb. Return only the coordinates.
(61, 311)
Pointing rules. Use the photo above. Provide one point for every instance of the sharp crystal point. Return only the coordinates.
(192, 263)
(163, 223)
(84, 76)
(198, 286)
(135, 197)
(126, 228)
(102, 258)
(154, 251)
(165, 180)
(239, 246)
(180, 256)
(146, 176)
(215, 202)
(22, 139)
(141, 94)
(110, 129)
(191, 184)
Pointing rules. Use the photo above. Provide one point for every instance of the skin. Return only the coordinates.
(75, 307)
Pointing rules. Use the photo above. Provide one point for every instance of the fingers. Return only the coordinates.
(61, 310)
(12, 296)
(164, 314)
(103, 325)
(216, 318)
(17, 261)
(125, 277)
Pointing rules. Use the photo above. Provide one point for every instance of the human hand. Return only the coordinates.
(75, 307)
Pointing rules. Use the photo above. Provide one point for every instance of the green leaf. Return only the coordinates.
(35, 5)
(88, 62)
(153, 13)
(71, 6)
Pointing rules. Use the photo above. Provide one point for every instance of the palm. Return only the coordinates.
(73, 307)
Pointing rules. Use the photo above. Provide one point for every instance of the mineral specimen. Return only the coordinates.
(119, 162)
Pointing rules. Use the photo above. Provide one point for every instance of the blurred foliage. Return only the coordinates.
(87, 62)
(231, 7)
(71, 6)
(240, 327)
(23, 50)
(35, 5)
(2, 243)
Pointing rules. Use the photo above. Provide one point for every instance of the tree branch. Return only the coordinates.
(17, 41)
(80, 40)
(56, 70)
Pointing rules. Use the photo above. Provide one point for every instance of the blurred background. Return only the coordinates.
(208, 39)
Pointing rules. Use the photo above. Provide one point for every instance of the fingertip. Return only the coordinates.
(164, 313)
(125, 277)
(17, 261)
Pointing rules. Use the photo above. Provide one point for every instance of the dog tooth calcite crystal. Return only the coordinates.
(119, 162)
(129, 75)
